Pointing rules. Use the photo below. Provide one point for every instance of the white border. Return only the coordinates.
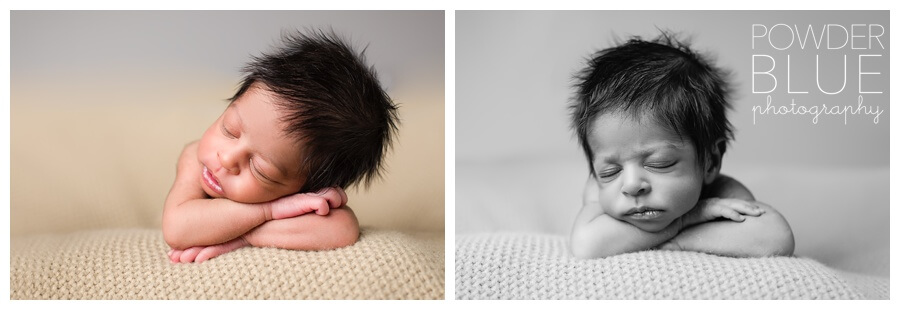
(449, 155)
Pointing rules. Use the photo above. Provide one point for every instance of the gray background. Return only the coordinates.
(519, 167)
(406, 47)
(514, 72)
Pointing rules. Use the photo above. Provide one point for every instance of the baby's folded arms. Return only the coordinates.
(298, 204)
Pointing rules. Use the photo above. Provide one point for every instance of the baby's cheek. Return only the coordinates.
(235, 190)
(251, 192)
(604, 199)
(683, 197)
(611, 203)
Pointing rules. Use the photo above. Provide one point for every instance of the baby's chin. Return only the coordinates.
(212, 194)
(239, 198)
(650, 226)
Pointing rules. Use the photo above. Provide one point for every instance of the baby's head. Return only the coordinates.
(650, 117)
(309, 116)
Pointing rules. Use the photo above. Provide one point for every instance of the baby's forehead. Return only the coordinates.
(617, 129)
(261, 121)
(626, 122)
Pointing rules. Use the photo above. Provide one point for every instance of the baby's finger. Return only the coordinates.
(732, 215)
(747, 208)
(174, 255)
(219, 249)
(190, 254)
(343, 196)
(669, 246)
(206, 254)
(323, 208)
(332, 195)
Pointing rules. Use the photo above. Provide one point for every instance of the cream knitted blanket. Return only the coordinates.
(534, 266)
(132, 264)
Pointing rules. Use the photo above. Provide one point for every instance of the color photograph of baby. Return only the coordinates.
(227, 155)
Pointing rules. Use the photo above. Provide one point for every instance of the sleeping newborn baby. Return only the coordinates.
(650, 117)
(307, 121)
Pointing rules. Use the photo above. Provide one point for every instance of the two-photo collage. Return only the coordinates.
(449, 155)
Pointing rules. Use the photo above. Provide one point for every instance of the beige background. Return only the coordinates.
(102, 103)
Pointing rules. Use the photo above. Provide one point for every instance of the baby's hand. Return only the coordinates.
(200, 254)
(298, 204)
(714, 208)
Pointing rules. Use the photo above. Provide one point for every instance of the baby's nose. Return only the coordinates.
(635, 190)
(634, 185)
(230, 161)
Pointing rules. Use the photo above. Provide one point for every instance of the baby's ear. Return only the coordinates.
(714, 162)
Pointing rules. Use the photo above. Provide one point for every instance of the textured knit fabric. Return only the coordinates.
(132, 264)
(872, 287)
(537, 266)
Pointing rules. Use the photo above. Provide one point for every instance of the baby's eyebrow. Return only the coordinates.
(610, 159)
(237, 113)
(644, 152)
(281, 170)
(658, 147)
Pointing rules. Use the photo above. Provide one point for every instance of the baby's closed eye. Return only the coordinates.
(661, 165)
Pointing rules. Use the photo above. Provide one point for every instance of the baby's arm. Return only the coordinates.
(190, 218)
(338, 229)
(309, 232)
(766, 235)
(596, 234)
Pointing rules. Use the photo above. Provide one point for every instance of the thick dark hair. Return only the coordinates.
(662, 79)
(332, 101)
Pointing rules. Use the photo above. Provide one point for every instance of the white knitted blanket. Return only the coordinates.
(132, 264)
(535, 266)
